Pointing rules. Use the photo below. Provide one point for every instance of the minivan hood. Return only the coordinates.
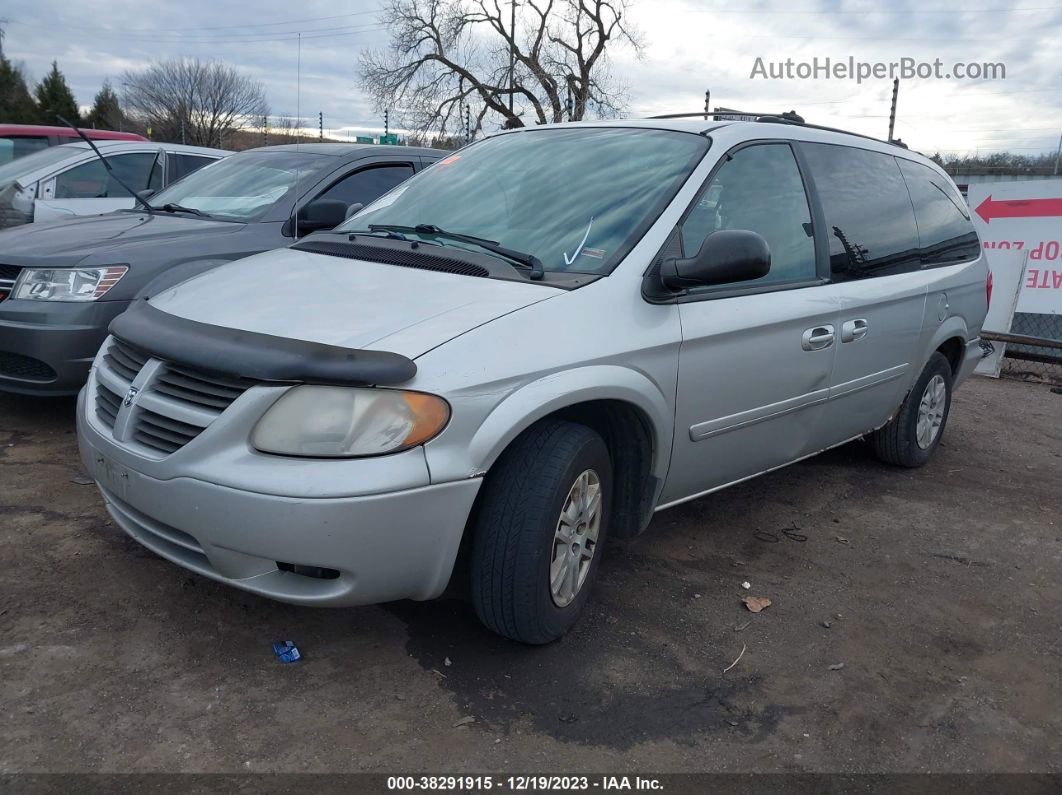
(66, 242)
(347, 302)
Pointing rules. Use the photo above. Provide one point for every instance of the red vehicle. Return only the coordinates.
(17, 140)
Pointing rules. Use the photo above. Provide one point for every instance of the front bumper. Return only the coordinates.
(46, 348)
(385, 546)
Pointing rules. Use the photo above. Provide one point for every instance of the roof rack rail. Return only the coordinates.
(741, 115)
(788, 117)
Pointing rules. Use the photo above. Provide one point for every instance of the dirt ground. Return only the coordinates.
(939, 590)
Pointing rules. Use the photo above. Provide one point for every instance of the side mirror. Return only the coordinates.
(321, 214)
(146, 193)
(354, 209)
(729, 255)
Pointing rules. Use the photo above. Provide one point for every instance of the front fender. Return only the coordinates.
(521, 408)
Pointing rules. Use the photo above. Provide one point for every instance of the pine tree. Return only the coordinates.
(16, 103)
(54, 99)
(106, 113)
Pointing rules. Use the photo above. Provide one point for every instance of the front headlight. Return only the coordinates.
(66, 284)
(345, 422)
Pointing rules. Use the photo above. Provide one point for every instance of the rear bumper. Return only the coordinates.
(971, 356)
(378, 547)
(46, 348)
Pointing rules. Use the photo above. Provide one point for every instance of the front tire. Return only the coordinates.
(910, 438)
(539, 530)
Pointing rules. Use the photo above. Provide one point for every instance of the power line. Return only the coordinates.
(232, 38)
(905, 12)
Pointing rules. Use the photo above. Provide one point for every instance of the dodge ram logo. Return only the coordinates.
(130, 396)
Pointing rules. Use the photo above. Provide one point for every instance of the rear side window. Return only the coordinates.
(944, 228)
(368, 184)
(869, 219)
(181, 165)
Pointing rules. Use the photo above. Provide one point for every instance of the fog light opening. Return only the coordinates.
(317, 572)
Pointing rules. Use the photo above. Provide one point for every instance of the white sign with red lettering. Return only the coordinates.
(1024, 217)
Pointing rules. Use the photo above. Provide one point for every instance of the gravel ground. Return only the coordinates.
(915, 625)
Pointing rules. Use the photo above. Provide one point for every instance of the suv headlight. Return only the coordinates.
(345, 422)
(66, 284)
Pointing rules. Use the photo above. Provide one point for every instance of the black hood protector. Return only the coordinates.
(249, 354)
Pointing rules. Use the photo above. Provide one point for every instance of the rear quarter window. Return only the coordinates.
(945, 231)
(870, 222)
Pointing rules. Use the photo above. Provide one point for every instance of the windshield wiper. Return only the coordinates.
(520, 257)
(170, 207)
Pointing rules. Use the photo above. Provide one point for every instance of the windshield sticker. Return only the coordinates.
(596, 253)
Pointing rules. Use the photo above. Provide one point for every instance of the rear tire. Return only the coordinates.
(532, 567)
(910, 438)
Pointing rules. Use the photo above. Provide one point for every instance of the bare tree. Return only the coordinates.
(449, 55)
(191, 101)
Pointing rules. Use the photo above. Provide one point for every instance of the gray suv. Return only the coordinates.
(61, 283)
(529, 349)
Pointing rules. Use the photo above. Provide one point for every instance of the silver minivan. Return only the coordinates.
(529, 348)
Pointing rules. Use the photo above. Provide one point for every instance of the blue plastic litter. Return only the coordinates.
(286, 651)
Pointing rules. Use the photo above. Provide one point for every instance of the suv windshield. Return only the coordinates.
(243, 187)
(578, 199)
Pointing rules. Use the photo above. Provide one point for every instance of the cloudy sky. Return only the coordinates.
(692, 45)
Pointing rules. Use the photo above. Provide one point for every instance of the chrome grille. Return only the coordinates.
(169, 405)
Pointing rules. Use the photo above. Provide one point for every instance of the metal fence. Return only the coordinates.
(1033, 348)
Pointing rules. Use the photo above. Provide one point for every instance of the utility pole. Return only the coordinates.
(707, 104)
(320, 125)
(892, 112)
(512, 55)
(182, 129)
(1057, 153)
(468, 124)
(265, 131)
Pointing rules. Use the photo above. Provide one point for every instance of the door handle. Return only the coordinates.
(854, 330)
(817, 338)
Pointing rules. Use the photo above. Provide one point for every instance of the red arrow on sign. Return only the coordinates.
(1018, 208)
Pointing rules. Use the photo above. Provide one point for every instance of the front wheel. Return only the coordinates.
(539, 530)
(910, 437)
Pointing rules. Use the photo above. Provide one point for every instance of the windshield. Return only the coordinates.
(21, 166)
(243, 187)
(578, 199)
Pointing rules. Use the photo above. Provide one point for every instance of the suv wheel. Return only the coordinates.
(913, 434)
(539, 531)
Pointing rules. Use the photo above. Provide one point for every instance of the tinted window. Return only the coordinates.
(759, 189)
(92, 181)
(368, 184)
(13, 147)
(869, 220)
(182, 165)
(944, 228)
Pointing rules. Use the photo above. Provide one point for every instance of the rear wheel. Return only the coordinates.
(913, 434)
(539, 531)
